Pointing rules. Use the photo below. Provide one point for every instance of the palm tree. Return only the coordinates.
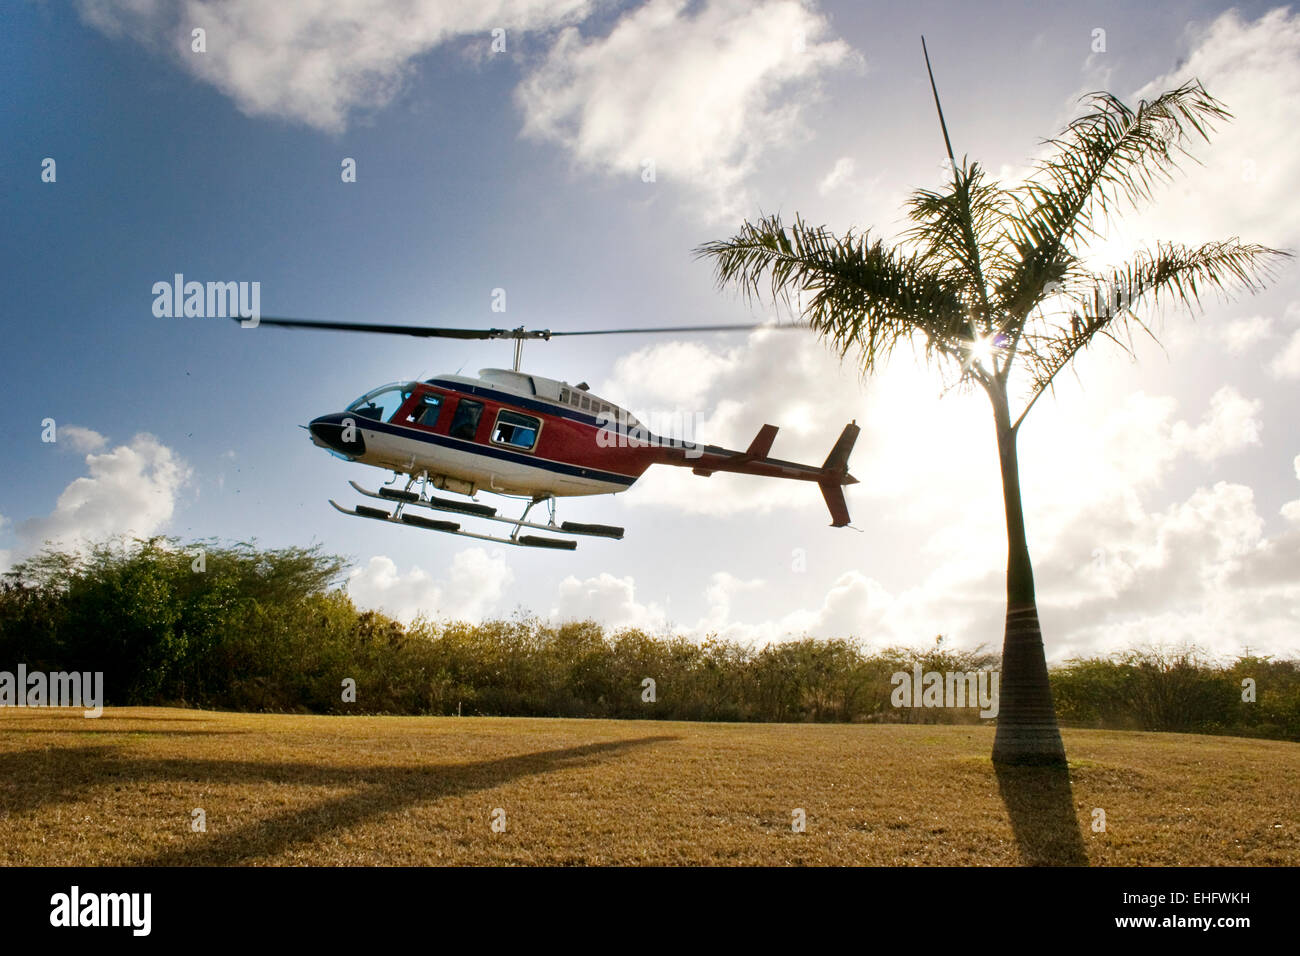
(992, 279)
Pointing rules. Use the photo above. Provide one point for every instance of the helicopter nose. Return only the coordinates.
(338, 432)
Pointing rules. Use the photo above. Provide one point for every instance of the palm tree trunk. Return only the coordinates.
(1027, 731)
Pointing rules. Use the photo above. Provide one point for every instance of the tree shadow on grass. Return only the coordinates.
(60, 775)
(1040, 803)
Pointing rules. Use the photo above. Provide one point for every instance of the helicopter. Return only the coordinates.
(518, 435)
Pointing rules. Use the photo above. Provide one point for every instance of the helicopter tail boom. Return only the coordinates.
(830, 477)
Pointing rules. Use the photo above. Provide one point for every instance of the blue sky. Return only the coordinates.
(1162, 495)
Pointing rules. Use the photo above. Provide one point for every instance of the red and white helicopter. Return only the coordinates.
(513, 434)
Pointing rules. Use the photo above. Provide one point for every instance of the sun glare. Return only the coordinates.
(981, 352)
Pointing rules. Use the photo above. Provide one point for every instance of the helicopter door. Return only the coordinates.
(424, 411)
(464, 424)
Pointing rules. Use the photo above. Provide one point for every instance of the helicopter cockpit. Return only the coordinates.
(381, 403)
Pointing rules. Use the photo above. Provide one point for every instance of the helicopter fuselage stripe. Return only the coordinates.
(474, 448)
(554, 409)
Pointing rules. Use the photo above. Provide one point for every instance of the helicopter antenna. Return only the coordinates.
(942, 125)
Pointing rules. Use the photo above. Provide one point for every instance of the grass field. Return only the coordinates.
(403, 790)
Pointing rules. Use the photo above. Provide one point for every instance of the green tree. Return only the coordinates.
(992, 280)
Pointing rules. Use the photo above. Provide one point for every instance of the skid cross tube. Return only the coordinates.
(470, 509)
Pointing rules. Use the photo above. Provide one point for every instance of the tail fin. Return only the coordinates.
(834, 495)
(837, 468)
(838, 459)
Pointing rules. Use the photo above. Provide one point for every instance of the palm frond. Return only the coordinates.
(1182, 273)
(1104, 303)
(960, 230)
(1109, 154)
(981, 265)
(864, 294)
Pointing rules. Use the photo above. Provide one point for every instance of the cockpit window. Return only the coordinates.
(382, 403)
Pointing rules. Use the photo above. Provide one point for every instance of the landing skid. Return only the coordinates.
(405, 498)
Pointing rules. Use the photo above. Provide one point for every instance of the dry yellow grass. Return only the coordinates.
(295, 790)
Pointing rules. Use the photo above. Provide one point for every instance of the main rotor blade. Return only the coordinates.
(422, 331)
(748, 327)
(428, 332)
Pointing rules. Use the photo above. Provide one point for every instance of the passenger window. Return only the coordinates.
(564, 396)
(586, 404)
(465, 422)
(515, 430)
(426, 413)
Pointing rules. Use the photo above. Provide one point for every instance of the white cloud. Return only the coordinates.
(838, 175)
(844, 180)
(671, 378)
(1241, 334)
(82, 440)
(1287, 362)
(701, 90)
(1230, 424)
(785, 378)
(130, 490)
(472, 589)
(1291, 510)
(854, 606)
(1200, 570)
(317, 62)
(723, 587)
(608, 599)
(1090, 471)
(1245, 184)
(929, 458)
